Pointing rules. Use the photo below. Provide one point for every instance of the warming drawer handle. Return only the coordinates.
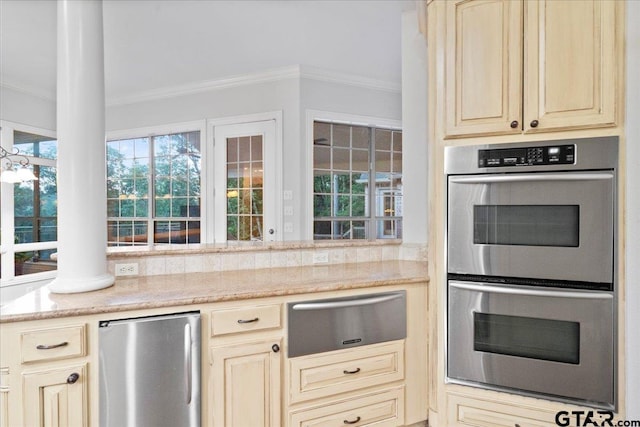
(187, 360)
(529, 292)
(243, 321)
(356, 421)
(51, 346)
(483, 179)
(347, 303)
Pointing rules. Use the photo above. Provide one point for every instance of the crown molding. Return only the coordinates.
(208, 85)
(324, 75)
(29, 90)
(276, 74)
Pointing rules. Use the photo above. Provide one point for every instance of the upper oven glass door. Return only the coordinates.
(555, 226)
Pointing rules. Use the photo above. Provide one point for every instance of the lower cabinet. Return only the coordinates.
(56, 397)
(383, 409)
(468, 411)
(359, 386)
(245, 384)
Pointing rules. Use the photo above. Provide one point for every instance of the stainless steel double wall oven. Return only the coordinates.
(531, 268)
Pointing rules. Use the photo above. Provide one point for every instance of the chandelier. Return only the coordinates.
(10, 174)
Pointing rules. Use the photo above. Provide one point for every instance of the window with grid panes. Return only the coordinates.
(153, 190)
(35, 209)
(357, 182)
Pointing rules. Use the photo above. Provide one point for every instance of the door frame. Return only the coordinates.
(214, 232)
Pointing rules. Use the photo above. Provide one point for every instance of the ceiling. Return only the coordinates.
(160, 44)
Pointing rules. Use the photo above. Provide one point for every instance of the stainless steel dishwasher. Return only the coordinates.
(317, 326)
(150, 371)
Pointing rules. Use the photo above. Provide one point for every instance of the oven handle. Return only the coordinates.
(528, 291)
(480, 179)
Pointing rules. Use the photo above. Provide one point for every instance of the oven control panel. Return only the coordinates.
(527, 156)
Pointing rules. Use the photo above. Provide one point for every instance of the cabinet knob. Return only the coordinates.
(514, 124)
(275, 348)
(534, 123)
(271, 231)
(71, 379)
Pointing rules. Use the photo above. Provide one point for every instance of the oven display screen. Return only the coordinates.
(544, 339)
(527, 225)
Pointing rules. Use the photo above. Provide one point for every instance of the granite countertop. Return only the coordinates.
(199, 288)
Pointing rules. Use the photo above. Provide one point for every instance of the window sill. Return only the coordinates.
(232, 247)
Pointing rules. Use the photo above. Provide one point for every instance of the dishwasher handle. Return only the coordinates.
(187, 361)
(325, 305)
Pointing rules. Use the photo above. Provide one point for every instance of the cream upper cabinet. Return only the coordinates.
(569, 64)
(529, 66)
(483, 68)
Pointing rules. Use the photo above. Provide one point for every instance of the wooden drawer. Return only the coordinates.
(245, 319)
(466, 411)
(383, 409)
(51, 344)
(335, 372)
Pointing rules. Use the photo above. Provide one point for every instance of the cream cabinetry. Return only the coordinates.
(382, 409)
(320, 382)
(245, 384)
(529, 66)
(56, 396)
(328, 374)
(44, 380)
(49, 368)
(246, 360)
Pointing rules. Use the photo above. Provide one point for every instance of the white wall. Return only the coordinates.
(292, 96)
(633, 211)
(27, 109)
(415, 134)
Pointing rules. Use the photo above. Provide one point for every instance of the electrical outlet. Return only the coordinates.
(130, 269)
(320, 257)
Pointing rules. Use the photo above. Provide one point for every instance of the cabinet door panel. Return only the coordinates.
(570, 68)
(49, 401)
(246, 385)
(483, 50)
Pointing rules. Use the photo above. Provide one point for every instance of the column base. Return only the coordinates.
(74, 285)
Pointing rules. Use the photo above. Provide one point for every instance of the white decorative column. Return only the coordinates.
(82, 216)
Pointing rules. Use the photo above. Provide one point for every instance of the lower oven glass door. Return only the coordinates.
(547, 341)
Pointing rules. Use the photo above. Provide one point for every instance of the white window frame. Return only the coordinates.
(336, 118)
(182, 127)
(277, 168)
(7, 221)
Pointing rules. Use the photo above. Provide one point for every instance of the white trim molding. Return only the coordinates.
(271, 75)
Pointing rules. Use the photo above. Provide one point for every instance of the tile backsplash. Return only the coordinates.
(207, 258)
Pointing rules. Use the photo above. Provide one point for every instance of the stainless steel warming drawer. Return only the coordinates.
(317, 326)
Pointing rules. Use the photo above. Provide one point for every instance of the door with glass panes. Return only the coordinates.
(245, 182)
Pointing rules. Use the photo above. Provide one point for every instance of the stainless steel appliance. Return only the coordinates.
(316, 326)
(531, 277)
(150, 371)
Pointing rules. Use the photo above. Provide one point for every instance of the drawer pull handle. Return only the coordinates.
(357, 420)
(52, 346)
(71, 379)
(351, 372)
(243, 321)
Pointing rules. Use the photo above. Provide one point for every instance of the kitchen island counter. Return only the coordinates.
(198, 288)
